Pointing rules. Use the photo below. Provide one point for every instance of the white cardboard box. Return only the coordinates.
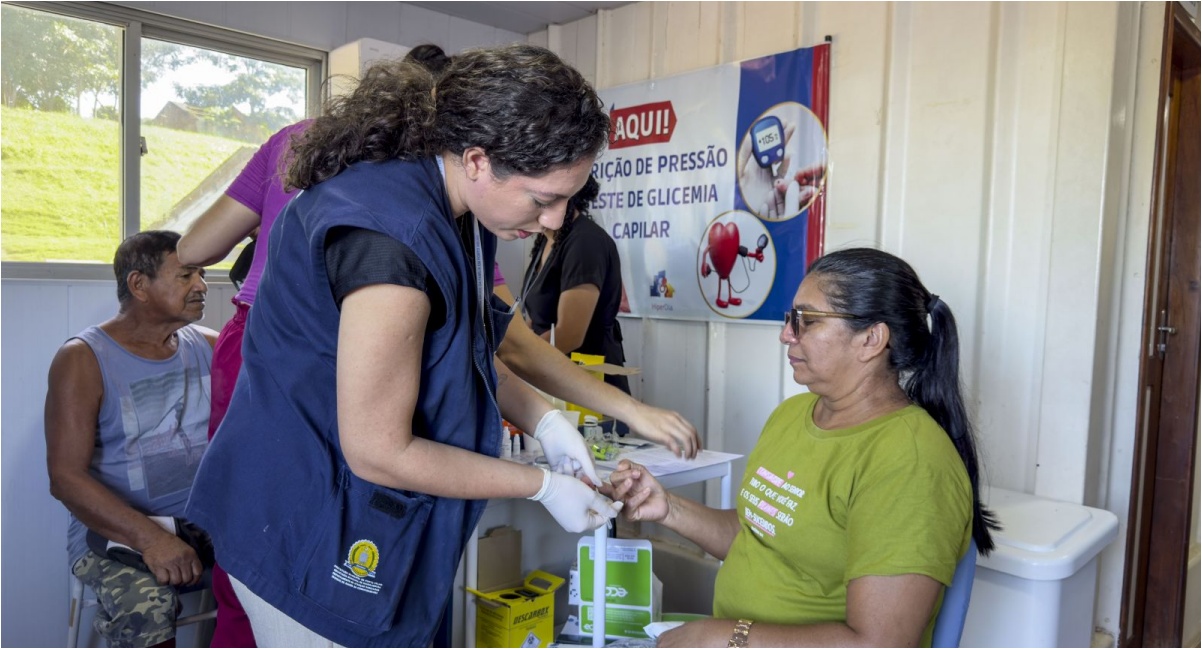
(634, 594)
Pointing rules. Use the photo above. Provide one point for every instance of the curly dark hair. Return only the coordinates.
(431, 56)
(526, 108)
(143, 252)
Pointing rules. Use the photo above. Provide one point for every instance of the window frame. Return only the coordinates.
(136, 25)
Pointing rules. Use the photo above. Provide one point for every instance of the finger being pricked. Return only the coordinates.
(625, 478)
(620, 483)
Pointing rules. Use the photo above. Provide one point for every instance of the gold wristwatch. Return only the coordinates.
(739, 637)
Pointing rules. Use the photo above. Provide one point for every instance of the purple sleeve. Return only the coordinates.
(260, 188)
(497, 278)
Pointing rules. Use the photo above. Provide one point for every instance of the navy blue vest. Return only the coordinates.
(358, 563)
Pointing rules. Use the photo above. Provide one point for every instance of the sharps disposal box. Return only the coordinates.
(518, 617)
(1037, 587)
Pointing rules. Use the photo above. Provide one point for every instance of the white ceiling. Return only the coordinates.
(520, 17)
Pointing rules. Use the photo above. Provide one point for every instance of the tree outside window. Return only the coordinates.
(203, 113)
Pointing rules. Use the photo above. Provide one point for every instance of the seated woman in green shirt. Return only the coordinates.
(861, 495)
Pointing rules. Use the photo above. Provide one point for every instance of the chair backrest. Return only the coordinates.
(949, 624)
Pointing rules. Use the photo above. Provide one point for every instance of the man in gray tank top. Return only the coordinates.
(127, 414)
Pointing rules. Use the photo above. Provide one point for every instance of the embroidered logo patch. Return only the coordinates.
(359, 569)
(363, 559)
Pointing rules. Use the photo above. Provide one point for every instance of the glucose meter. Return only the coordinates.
(768, 141)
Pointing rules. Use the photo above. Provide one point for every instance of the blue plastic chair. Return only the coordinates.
(949, 624)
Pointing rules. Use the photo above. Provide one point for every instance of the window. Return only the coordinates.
(60, 137)
(115, 120)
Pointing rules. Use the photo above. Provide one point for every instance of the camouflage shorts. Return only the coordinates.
(135, 611)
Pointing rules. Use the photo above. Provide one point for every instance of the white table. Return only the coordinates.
(708, 465)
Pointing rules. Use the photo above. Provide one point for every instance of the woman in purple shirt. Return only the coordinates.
(252, 201)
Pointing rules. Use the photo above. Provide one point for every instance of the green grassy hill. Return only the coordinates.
(60, 191)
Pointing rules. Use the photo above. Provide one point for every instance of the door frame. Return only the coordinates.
(1162, 477)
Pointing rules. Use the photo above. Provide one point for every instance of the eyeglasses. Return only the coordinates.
(795, 318)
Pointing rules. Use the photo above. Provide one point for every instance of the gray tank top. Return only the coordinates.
(153, 426)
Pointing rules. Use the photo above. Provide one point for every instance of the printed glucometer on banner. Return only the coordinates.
(768, 141)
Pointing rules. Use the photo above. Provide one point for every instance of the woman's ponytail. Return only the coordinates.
(935, 386)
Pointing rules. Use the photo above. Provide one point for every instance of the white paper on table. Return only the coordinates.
(660, 461)
(655, 629)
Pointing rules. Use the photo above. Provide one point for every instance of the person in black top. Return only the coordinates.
(574, 282)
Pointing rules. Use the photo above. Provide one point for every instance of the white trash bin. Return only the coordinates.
(1037, 587)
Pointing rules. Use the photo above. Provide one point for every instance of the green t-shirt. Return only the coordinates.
(819, 508)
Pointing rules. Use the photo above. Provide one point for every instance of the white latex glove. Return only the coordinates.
(564, 447)
(575, 506)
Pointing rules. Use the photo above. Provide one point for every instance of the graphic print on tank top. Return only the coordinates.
(165, 419)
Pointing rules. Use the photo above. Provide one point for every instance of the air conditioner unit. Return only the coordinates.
(349, 62)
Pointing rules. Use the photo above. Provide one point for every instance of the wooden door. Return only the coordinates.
(1167, 428)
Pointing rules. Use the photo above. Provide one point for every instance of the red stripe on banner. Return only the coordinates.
(820, 96)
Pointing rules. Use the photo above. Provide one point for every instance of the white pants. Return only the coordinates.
(272, 627)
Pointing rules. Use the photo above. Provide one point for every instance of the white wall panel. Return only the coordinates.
(632, 344)
(39, 316)
(944, 148)
(624, 45)
(420, 25)
(464, 34)
(586, 47)
(860, 56)
(685, 36)
(538, 38)
(576, 43)
(1079, 185)
(262, 18)
(88, 303)
(1017, 252)
(326, 25)
(321, 23)
(212, 13)
(218, 307)
(674, 363)
(35, 324)
(750, 362)
(765, 28)
(985, 143)
(378, 20)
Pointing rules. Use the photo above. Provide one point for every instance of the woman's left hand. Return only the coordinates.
(698, 633)
(564, 448)
(668, 428)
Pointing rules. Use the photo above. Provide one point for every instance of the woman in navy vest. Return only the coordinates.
(361, 440)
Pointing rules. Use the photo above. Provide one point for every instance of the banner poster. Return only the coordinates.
(713, 186)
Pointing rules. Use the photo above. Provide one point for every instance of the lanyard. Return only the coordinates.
(479, 257)
(480, 292)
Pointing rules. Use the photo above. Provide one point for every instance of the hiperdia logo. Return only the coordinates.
(660, 286)
(642, 124)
